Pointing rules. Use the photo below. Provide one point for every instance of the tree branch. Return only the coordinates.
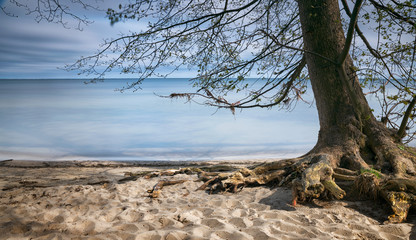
(373, 51)
(351, 27)
(402, 129)
(393, 13)
(220, 102)
(275, 40)
(209, 16)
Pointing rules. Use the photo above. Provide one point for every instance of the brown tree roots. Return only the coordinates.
(310, 177)
(314, 181)
(400, 194)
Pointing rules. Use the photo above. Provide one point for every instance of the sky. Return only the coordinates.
(29, 49)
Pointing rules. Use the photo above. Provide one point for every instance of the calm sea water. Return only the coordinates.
(70, 120)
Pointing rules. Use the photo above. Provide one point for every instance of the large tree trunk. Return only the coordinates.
(348, 130)
(350, 138)
(342, 116)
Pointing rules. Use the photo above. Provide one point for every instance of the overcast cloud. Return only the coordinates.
(29, 49)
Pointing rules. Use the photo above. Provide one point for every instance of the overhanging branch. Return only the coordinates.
(393, 13)
(220, 102)
(350, 33)
(403, 125)
(373, 51)
(275, 40)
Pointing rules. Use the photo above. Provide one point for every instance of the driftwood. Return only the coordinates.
(157, 189)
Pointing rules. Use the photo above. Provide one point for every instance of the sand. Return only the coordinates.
(85, 200)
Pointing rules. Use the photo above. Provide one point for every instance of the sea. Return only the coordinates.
(67, 119)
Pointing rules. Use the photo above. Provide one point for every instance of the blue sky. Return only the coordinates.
(29, 49)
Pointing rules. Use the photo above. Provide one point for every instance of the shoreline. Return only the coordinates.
(126, 163)
(87, 200)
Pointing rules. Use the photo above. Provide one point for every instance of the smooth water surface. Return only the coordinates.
(70, 120)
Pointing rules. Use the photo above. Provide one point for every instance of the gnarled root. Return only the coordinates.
(312, 176)
(233, 182)
(400, 194)
(315, 180)
(400, 203)
(366, 185)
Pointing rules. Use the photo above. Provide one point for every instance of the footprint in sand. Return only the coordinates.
(129, 227)
(239, 213)
(151, 235)
(240, 223)
(213, 223)
(85, 227)
(232, 235)
(177, 235)
(258, 233)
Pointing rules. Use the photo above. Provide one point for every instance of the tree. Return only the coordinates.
(277, 39)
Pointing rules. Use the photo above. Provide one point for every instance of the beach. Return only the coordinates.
(98, 200)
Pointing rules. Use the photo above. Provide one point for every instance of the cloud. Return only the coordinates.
(29, 49)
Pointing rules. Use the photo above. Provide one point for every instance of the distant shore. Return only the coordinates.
(90, 200)
(123, 163)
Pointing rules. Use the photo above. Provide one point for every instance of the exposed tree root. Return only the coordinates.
(315, 180)
(311, 176)
(367, 185)
(400, 194)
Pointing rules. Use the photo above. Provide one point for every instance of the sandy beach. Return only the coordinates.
(95, 200)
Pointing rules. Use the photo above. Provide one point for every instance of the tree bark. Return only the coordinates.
(348, 130)
(341, 116)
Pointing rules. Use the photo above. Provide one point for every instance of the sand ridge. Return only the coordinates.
(90, 203)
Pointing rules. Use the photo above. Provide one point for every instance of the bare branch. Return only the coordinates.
(275, 40)
(403, 125)
(393, 13)
(57, 11)
(350, 33)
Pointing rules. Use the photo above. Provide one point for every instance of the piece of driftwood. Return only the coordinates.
(207, 183)
(157, 189)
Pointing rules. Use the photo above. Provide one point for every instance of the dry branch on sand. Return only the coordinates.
(155, 191)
